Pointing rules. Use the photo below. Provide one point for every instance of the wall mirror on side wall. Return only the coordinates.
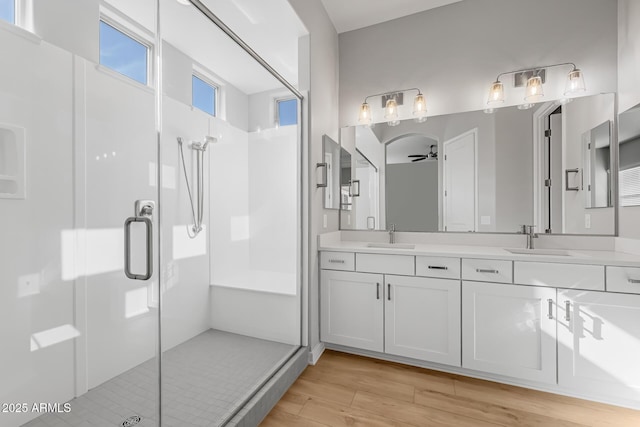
(553, 166)
(629, 153)
(331, 162)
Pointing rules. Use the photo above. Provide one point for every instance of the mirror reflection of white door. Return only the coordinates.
(460, 182)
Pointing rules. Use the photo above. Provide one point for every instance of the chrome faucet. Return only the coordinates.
(392, 234)
(531, 234)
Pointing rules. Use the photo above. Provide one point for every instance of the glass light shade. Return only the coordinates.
(420, 108)
(364, 118)
(575, 83)
(533, 92)
(391, 112)
(496, 93)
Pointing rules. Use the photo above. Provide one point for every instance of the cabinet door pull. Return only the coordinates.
(634, 281)
(336, 261)
(389, 291)
(484, 270)
(550, 314)
(438, 267)
(377, 290)
(567, 310)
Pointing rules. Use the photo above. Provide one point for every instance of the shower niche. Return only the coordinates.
(12, 162)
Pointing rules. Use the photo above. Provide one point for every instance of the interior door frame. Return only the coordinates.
(539, 118)
(473, 132)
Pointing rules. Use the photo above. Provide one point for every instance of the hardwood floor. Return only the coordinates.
(348, 390)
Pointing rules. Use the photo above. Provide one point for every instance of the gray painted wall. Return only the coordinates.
(514, 168)
(412, 196)
(454, 52)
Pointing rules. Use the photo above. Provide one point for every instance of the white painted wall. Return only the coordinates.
(319, 76)
(454, 52)
(628, 89)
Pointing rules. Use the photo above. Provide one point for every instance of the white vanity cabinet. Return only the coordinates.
(422, 318)
(352, 309)
(509, 330)
(599, 343)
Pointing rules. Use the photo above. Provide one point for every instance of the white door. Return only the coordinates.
(509, 330)
(352, 309)
(599, 346)
(422, 318)
(460, 186)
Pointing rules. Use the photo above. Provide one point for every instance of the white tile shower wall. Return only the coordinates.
(35, 298)
(273, 210)
(229, 203)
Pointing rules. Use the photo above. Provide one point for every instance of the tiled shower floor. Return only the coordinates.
(204, 380)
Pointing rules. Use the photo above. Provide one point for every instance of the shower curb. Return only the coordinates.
(263, 402)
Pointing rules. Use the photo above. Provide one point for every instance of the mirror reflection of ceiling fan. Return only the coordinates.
(431, 155)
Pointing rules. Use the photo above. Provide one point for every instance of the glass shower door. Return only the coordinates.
(78, 148)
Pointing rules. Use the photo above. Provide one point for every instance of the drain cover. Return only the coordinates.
(131, 421)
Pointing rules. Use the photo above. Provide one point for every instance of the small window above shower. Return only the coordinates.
(8, 10)
(125, 50)
(287, 112)
(203, 94)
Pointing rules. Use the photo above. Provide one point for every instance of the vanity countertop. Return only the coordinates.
(612, 258)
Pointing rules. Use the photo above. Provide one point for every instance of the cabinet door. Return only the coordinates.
(422, 318)
(509, 330)
(598, 348)
(352, 309)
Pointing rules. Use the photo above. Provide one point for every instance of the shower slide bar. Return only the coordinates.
(197, 211)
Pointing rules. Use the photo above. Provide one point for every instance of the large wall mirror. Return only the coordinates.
(552, 166)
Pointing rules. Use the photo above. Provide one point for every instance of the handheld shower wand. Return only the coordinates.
(197, 212)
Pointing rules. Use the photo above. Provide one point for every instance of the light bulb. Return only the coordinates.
(496, 93)
(391, 112)
(364, 117)
(420, 108)
(534, 91)
(575, 83)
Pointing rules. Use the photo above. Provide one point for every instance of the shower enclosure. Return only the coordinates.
(114, 310)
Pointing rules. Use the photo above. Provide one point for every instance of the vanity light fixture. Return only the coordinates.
(390, 103)
(391, 112)
(535, 78)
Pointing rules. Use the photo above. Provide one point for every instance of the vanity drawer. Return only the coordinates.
(337, 261)
(623, 279)
(571, 276)
(403, 265)
(446, 268)
(487, 270)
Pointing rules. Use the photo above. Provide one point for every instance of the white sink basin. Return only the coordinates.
(391, 245)
(552, 252)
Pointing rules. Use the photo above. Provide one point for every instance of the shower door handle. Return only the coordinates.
(144, 209)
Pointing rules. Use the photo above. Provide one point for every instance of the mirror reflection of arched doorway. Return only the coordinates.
(412, 159)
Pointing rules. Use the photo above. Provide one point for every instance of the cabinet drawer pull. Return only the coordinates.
(634, 281)
(389, 291)
(550, 314)
(377, 290)
(438, 267)
(336, 261)
(485, 270)
(567, 311)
